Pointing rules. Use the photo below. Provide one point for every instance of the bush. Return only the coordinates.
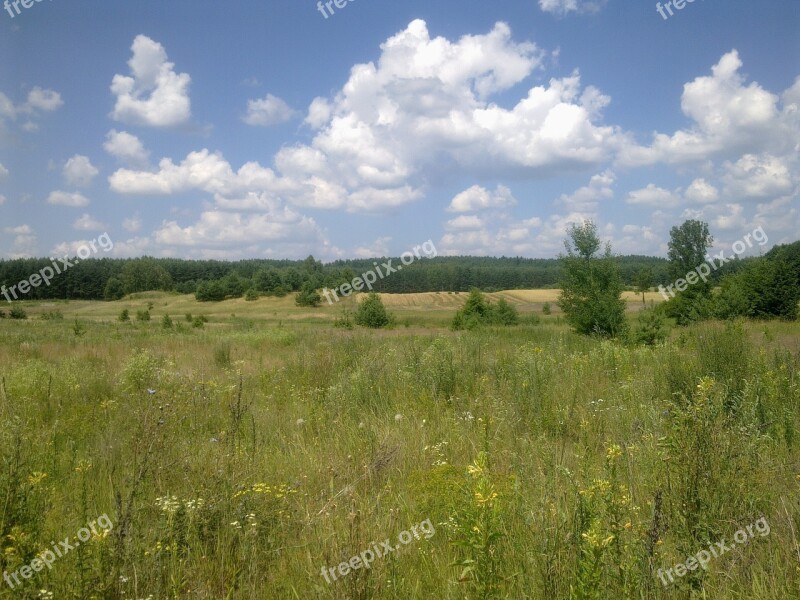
(546, 308)
(18, 313)
(345, 321)
(2, 314)
(78, 328)
(166, 322)
(372, 313)
(477, 310)
(308, 296)
(142, 315)
(54, 315)
(210, 292)
(198, 322)
(251, 295)
(651, 329)
(124, 316)
(114, 290)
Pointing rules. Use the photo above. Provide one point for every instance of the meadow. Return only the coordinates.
(245, 457)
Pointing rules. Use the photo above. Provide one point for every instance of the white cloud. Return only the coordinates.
(269, 110)
(24, 243)
(465, 222)
(654, 196)
(126, 147)
(67, 199)
(761, 176)
(479, 198)
(38, 101)
(588, 198)
(2, 199)
(132, 224)
(3, 173)
(563, 7)
(155, 95)
(319, 113)
(728, 117)
(87, 223)
(702, 192)
(79, 171)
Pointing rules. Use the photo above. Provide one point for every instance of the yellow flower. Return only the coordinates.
(613, 452)
(36, 477)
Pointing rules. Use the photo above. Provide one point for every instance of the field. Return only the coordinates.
(254, 457)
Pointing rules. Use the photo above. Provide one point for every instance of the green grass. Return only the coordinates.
(551, 465)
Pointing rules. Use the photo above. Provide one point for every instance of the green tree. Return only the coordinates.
(591, 288)
(143, 275)
(372, 313)
(688, 247)
(114, 290)
(124, 316)
(644, 281)
(308, 296)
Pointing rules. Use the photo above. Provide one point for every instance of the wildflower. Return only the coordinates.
(36, 477)
(300, 422)
(398, 417)
(613, 452)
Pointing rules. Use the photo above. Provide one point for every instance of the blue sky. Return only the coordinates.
(264, 129)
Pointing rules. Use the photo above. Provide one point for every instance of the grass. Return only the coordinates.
(238, 459)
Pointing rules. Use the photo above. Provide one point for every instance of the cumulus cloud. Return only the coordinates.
(267, 111)
(563, 7)
(654, 196)
(701, 192)
(728, 117)
(588, 198)
(38, 101)
(479, 198)
(79, 171)
(132, 224)
(758, 176)
(127, 148)
(87, 223)
(73, 199)
(154, 95)
(23, 244)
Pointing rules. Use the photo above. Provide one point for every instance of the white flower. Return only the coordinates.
(398, 417)
(300, 422)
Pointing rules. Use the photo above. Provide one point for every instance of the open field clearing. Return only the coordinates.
(255, 456)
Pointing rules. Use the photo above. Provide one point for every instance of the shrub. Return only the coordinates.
(142, 315)
(651, 328)
(308, 296)
(124, 316)
(251, 295)
(166, 322)
(78, 328)
(54, 315)
(18, 313)
(372, 313)
(546, 308)
(477, 310)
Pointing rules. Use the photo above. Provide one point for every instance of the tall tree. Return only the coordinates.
(591, 289)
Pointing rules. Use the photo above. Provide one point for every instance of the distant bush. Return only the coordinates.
(166, 322)
(124, 316)
(18, 313)
(478, 310)
(142, 315)
(2, 314)
(651, 328)
(372, 313)
(546, 308)
(54, 315)
(78, 328)
(308, 296)
(251, 295)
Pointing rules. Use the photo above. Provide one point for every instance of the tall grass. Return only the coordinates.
(238, 460)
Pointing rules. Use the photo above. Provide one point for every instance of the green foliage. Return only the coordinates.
(345, 320)
(17, 312)
(78, 328)
(114, 290)
(124, 316)
(52, 315)
(142, 315)
(478, 310)
(308, 296)
(372, 313)
(143, 275)
(591, 290)
(651, 327)
(546, 308)
(765, 288)
(644, 281)
(213, 291)
(251, 295)
(688, 247)
(166, 322)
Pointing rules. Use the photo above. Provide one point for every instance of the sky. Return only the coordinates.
(283, 128)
